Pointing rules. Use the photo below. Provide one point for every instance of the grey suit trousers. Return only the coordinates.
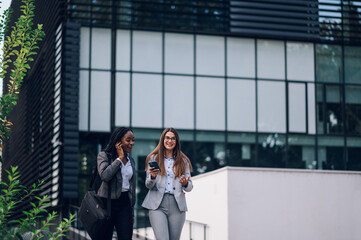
(167, 221)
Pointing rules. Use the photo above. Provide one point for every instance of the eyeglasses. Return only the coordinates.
(170, 139)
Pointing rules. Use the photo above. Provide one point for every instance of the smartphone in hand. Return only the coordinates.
(155, 165)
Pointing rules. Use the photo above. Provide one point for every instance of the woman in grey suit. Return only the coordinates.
(117, 168)
(167, 186)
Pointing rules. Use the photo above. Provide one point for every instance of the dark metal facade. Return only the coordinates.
(44, 139)
(307, 20)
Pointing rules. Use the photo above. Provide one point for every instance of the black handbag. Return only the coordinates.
(92, 212)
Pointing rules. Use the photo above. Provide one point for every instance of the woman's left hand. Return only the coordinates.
(184, 181)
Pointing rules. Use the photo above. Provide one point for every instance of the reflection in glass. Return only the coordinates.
(139, 153)
(301, 152)
(328, 63)
(89, 146)
(102, 12)
(271, 151)
(352, 64)
(329, 109)
(209, 156)
(334, 159)
(300, 61)
(331, 153)
(241, 154)
(353, 109)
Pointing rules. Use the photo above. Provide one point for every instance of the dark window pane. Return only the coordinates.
(353, 110)
(353, 158)
(271, 151)
(241, 155)
(334, 159)
(89, 147)
(209, 156)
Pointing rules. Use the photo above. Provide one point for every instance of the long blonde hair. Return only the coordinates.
(180, 159)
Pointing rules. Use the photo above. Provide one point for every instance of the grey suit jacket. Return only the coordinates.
(112, 173)
(157, 187)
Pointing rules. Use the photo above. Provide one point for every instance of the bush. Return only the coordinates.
(36, 221)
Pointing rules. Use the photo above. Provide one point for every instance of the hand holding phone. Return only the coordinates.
(155, 169)
(155, 165)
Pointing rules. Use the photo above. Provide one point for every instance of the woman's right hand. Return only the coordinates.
(120, 151)
(153, 172)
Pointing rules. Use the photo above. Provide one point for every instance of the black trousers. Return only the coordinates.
(121, 218)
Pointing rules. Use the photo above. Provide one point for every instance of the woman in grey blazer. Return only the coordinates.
(117, 168)
(167, 186)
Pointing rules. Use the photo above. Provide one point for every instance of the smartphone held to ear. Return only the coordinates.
(155, 165)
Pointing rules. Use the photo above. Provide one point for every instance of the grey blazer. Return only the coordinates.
(111, 172)
(157, 187)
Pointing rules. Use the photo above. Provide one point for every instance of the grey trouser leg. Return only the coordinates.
(167, 221)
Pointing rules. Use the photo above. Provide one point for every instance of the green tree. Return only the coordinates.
(20, 46)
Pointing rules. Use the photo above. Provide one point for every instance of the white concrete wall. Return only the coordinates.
(208, 203)
(253, 203)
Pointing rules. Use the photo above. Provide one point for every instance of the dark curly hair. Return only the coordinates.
(115, 138)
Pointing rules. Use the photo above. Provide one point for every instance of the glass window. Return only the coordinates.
(334, 121)
(140, 151)
(270, 59)
(328, 63)
(179, 53)
(241, 105)
(297, 107)
(179, 102)
(210, 152)
(84, 47)
(271, 150)
(210, 100)
(101, 47)
(329, 109)
(331, 153)
(100, 101)
(147, 100)
(83, 100)
(320, 108)
(271, 106)
(300, 61)
(353, 109)
(89, 147)
(301, 152)
(353, 161)
(311, 108)
(147, 51)
(240, 150)
(241, 57)
(353, 154)
(210, 55)
(352, 64)
(122, 99)
(123, 50)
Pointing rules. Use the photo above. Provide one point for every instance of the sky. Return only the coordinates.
(4, 5)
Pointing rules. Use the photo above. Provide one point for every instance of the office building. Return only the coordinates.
(273, 84)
